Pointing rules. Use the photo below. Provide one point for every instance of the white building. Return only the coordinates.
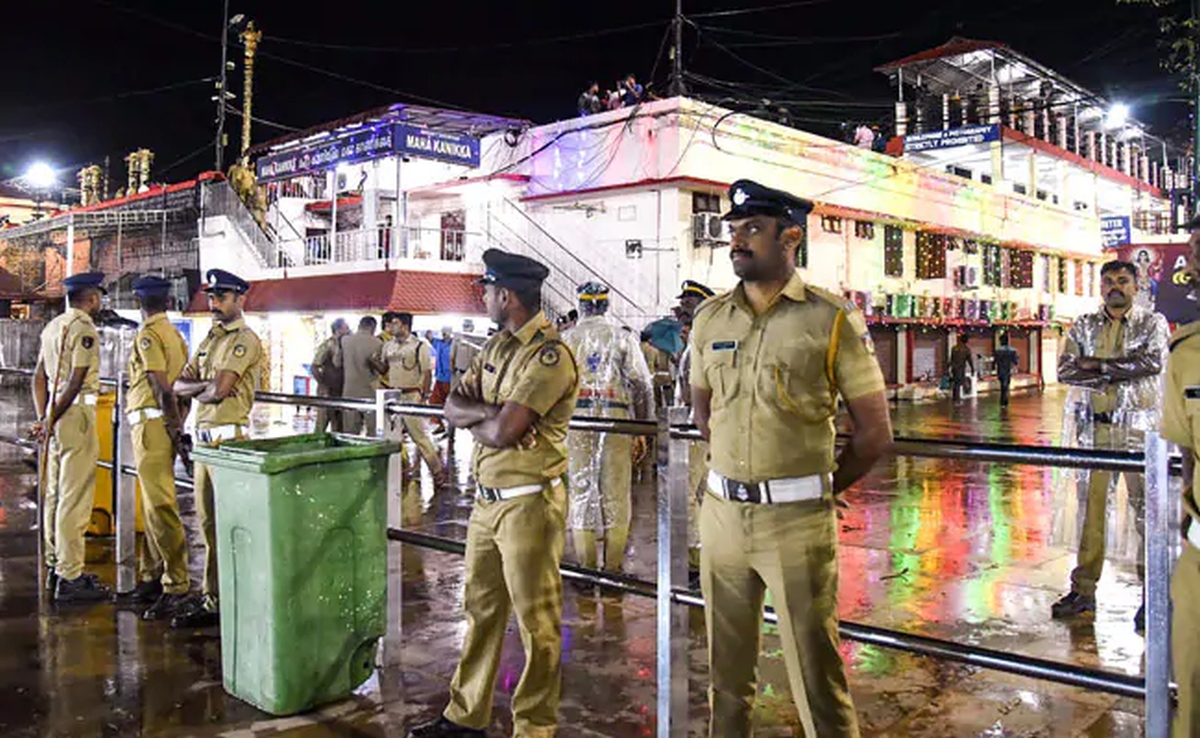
(975, 232)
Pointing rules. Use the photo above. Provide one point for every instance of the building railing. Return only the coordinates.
(379, 246)
(670, 588)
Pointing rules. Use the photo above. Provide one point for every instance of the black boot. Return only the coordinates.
(145, 593)
(443, 728)
(83, 588)
(165, 606)
(1072, 605)
(195, 612)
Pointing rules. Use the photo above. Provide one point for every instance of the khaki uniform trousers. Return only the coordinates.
(358, 423)
(1185, 641)
(70, 489)
(790, 549)
(165, 539)
(326, 418)
(1092, 539)
(606, 460)
(206, 515)
(697, 484)
(513, 551)
(418, 430)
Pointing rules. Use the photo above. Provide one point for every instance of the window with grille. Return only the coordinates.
(1021, 276)
(831, 224)
(893, 251)
(864, 229)
(931, 255)
(991, 265)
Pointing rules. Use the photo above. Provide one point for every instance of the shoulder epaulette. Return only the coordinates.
(1184, 332)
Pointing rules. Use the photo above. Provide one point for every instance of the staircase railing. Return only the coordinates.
(221, 200)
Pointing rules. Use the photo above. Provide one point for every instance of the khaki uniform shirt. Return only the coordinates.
(407, 361)
(775, 378)
(1181, 408)
(158, 347)
(357, 350)
(462, 352)
(235, 348)
(72, 336)
(533, 368)
(659, 362)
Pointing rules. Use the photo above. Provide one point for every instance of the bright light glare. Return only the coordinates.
(1118, 114)
(41, 175)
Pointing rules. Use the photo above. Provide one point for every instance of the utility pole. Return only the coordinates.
(220, 143)
(250, 37)
(1195, 72)
(676, 87)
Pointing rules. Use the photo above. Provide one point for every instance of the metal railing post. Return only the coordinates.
(1161, 536)
(390, 646)
(124, 493)
(672, 620)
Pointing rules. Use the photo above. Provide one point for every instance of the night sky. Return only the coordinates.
(86, 78)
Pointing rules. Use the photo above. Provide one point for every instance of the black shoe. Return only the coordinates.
(145, 593)
(1139, 620)
(443, 728)
(195, 612)
(167, 605)
(1071, 605)
(83, 588)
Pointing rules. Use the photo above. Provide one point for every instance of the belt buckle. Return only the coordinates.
(489, 494)
(742, 491)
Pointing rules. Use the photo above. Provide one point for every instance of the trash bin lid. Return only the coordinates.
(275, 455)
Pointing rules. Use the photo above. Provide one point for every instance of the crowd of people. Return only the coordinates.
(625, 94)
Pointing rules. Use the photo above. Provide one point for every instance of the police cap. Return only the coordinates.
(85, 281)
(512, 270)
(151, 285)
(695, 289)
(219, 280)
(592, 291)
(750, 198)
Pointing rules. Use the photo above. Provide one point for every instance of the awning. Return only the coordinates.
(421, 293)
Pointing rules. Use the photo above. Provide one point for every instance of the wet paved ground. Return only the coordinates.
(970, 552)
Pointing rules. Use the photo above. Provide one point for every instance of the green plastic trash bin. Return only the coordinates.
(302, 560)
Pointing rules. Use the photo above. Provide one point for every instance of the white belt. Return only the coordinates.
(220, 433)
(141, 416)
(775, 491)
(1193, 534)
(85, 400)
(494, 494)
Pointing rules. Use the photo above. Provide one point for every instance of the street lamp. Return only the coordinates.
(222, 93)
(41, 178)
(1118, 115)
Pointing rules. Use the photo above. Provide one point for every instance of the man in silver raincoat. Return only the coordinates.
(614, 383)
(1113, 358)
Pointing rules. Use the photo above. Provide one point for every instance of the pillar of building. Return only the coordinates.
(903, 370)
(993, 115)
(1031, 187)
(945, 110)
(1090, 149)
(1046, 125)
(1030, 123)
(1060, 123)
(901, 118)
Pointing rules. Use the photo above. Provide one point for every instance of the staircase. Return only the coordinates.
(220, 201)
(510, 228)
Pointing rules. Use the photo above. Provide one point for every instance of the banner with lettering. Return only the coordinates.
(366, 144)
(1163, 281)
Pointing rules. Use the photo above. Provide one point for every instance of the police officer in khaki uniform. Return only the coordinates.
(406, 362)
(614, 383)
(222, 377)
(66, 383)
(1181, 425)
(516, 400)
(327, 369)
(769, 360)
(692, 295)
(158, 357)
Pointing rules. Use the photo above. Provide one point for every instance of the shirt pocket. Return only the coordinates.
(721, 371)
(799, 387)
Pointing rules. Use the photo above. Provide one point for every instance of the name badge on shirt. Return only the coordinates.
(489, 368)
(1192, 393)
(724, 345)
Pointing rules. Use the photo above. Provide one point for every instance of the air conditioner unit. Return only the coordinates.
(966, 277)
(708, 228)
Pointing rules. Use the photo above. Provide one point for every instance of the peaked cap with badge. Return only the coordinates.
(85, 281)
(151, 285)
(692, 288)
(512, 271)
(750, 198)
(219, 280)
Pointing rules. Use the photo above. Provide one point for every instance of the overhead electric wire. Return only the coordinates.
(766, 40)
(236, 111)
(467, 47)
(789, 84)
(759, 9)
(206, 146)
(116, 95)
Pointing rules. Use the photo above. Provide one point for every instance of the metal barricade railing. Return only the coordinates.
(670, 588)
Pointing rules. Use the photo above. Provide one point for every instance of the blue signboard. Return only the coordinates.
(454, 148)
(370, 143)
(184, 326)
(1114, 231)
(951, 137)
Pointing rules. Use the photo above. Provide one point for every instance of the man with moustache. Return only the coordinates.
(1117, 354)
(769, 361)
(221, 378)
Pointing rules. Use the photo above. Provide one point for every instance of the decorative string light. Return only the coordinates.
(931, 255)
(893, 251)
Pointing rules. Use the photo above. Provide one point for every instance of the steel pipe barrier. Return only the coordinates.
(1162, 513)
